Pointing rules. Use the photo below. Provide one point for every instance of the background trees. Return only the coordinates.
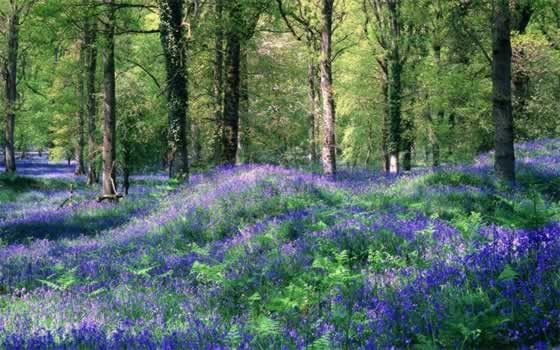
(257, 81)
(12, 15)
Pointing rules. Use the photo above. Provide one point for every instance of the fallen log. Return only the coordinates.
(110, 197)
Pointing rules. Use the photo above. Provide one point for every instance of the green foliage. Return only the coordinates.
(62, 279)
(477, 327)
(12, 186)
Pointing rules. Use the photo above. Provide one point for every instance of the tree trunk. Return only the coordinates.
(126, 167)
(196, 138)
(436, 154)
(501, 94)
(408, 142)
(313, 100)
(232, 92)
(329, 115)
(243, 135)
(385, 118)
(80, 144)
(90, 29)
(109, 106)
(394, 95)
(10, 76)
(218, 82)
(407, 156)
(174, 48)
(438, 115)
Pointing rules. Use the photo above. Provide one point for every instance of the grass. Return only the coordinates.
(12, 186)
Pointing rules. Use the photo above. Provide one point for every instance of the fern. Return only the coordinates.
(62, 280)
(322, 343)
(264, 326)
(208, 274)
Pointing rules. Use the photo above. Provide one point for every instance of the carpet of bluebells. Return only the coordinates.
(265, 257)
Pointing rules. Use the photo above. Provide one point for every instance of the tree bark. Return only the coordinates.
(243, 135)
(218, 82)
(126, 166)
(80, 144)
(313, 100)
(10, 76)
(389, 38)
(329, 114)
(435, 120)
(109, 106)
(196, 137)
(385, 121)
(408, 142)
(501, 94)
(174, 48)
(232, 90)
(394, 92)
(91, 104)
(407, 156)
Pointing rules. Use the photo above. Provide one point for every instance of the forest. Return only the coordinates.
(280, 174)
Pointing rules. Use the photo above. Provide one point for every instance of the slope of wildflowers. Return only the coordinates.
(264, 257)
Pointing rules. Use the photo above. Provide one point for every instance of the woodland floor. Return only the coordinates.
(265, 257)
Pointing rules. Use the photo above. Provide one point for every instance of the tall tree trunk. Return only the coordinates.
(313, 100)
(232, 89)
(438, 114)
(436, 153)
(80, 144)
(91, 104)
(329, 115)
(407, 155)
(394, 92)
(385, 121)
(501, 96)
(218, 82)
(126, 166)
(109, 106)
(408, 142)
(196, 138)
(174, 48)
(10, 76)
(394, 68)
(243, 135)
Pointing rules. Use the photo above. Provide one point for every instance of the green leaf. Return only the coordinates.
(508, 274)
(97, 292)
(143, 271)
(51, 284)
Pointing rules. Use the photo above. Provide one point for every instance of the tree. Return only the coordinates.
(232, 81)
(318, 38)
(328, 155)
(218, 80)
(310, 35)
(13, 17)
(388, 28)
(90, 43)
(241, 19)
(501, 96)
(174, 48)
(109, 104)
(80, 94)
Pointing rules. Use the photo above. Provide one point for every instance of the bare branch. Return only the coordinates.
(145, 70)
